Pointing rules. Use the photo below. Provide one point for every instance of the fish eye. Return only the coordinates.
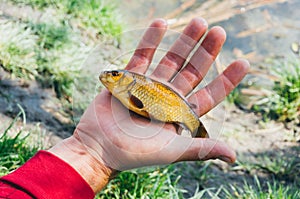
(114, 73)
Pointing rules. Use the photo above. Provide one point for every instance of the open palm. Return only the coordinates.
(122, 140)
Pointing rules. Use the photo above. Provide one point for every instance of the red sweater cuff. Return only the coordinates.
(47, 176)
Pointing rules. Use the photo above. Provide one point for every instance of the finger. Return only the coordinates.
(177, 54)
(204, 149)
(200, 62)
(208, 97)
(145, 50)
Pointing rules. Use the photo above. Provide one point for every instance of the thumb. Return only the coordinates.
(205, 149)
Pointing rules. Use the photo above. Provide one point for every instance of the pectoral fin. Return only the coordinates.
(135, 101)
(137, 106)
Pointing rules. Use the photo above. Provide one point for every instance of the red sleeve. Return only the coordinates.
(45, 176)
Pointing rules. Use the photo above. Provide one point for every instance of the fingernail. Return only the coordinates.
(226, 159)
(160, 22)
(201, 20)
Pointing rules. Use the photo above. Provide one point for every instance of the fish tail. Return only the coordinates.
(201, 131)
(196, 128)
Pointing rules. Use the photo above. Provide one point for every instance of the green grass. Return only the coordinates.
(45, 52)
(281, 167)
(272, 190)
(17, 49)
(281, 171)
(14, 150)
(159, 183)
(51, 35)
(34, 3)
(52, 49)
(97, 15)
(233, 97)
(102, 17)
(284, 102)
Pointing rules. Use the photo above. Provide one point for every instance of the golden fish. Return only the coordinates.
(152, 99)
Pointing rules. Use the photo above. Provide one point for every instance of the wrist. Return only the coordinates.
(73, 152)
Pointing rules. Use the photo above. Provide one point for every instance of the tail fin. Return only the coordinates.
(201, 131)
(196, 128)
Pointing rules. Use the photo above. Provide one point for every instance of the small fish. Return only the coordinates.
(152, 99)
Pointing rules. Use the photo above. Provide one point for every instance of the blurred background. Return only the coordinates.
(51, 52)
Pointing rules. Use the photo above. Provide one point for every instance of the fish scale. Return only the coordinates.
(161, 103)
(152, 99)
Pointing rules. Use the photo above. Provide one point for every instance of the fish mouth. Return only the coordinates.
(104, 77)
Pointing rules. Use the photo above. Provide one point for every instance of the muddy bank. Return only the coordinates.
(41, 107)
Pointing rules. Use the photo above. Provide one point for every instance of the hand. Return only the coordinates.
(120, 140)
